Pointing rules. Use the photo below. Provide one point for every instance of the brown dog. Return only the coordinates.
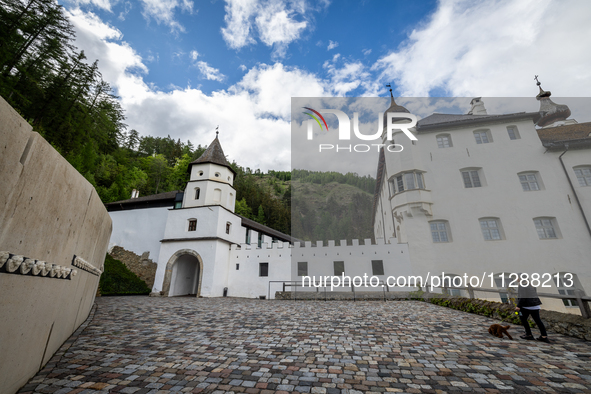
(497, 330)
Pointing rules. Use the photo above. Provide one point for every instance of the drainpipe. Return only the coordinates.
(573, 189)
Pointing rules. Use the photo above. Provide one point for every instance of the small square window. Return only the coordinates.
(339, 268)
(263, 269)
(377, 267)
(237, 266)
(192, 224)
(302, 268)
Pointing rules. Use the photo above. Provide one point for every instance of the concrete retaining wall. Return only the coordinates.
(48, 213)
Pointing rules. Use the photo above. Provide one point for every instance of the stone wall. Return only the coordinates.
(142, 266)
(54, 233)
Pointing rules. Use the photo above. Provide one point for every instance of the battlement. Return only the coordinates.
(318, 244)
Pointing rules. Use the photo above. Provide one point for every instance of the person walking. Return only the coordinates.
(528, 304)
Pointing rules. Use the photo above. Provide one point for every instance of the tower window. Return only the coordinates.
(228, 227)
(513, 133)
(192, 224)
(197, 192)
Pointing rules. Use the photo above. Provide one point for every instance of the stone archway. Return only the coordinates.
(180, 256)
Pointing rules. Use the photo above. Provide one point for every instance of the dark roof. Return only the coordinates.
(267, 230)
(155, 200)
(437, 121)
(213, 154)
(576, 135)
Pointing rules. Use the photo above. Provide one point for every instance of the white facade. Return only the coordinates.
(472, 197)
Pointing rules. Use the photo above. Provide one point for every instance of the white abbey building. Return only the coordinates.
(476, 194)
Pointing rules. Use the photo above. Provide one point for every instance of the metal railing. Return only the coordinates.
(581, 299)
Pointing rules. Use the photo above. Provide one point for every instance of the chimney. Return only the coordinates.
(477, 107)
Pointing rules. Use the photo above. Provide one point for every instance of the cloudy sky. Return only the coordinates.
(183, 67)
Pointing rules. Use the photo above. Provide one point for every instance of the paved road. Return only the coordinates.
(162, 345)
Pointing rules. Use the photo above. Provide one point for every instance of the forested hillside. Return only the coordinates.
(63, 96)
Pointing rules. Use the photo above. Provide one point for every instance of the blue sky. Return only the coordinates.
(183, 67)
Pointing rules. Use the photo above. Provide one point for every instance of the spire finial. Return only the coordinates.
(217, 131)
(537, 82)
(390, 86)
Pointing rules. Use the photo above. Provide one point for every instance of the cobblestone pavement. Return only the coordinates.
(167, 345)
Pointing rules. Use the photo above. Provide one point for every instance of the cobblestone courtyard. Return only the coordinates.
(162, 345)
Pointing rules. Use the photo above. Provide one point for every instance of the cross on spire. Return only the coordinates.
(537, 82)
(217, 131)
(390, 86)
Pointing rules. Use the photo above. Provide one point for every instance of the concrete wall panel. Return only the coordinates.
(48, 212)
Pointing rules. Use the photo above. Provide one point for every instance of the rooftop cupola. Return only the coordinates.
(550, 112)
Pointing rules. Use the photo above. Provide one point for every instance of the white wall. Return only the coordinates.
(139, 230)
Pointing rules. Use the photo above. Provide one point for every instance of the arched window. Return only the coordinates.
(197, 192)
(547, 228)
(513, 133)
(228, 227)
(483, 136)
(472, 177)
(530, 181)
(217, 195)
(583, 174)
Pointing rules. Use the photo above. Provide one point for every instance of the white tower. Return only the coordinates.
(211, 180)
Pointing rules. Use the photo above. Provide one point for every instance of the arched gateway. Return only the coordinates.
(184, 271)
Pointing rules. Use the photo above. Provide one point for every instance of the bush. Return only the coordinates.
(117, 279)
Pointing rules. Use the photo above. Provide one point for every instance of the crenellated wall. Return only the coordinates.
(283, 258)
(54, 232)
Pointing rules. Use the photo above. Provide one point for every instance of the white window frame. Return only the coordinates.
(472, 177)
(482, 137)
(513, 133)
(441, 233)
(565, 290)
(444, 141)
(491, 229)
(408, 180)
(546, 228)
(525, 178)
(583, 174)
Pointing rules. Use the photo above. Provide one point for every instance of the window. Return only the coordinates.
(228, 227)
(566, 286)
(439, 231)
(529, 181)
(444, 141)
(339, 268)
(471, 178)
(406, 181)
(482, 137)
(260, 240)
(197, 192)
(192, 224)
(263, 269)
(513, 133)
(545, 228)
(302, 268)
(377, 267)
(491, 229)
(499, 283)
(583, 175)
(237, 266)
(217, 174)
(247, 240)
(200, 173)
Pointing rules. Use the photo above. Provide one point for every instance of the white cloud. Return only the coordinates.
(348, 75)
(366, 52)
(194, 54)
(276, 23)
(256, 110)
(242, 67)
(494, 48)
(163, 11)
(332, 45)
(106, 5)
(209, 72)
